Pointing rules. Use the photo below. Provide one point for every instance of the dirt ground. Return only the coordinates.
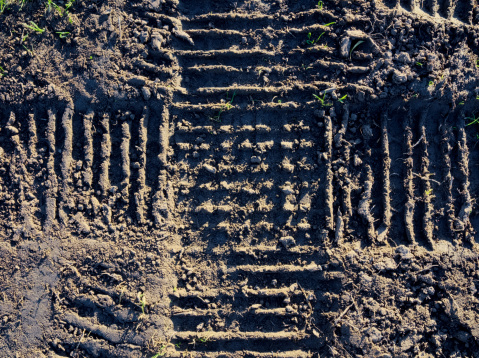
(251, 178)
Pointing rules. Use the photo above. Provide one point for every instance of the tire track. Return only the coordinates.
(52, 182)
(448, 10)
(249, 182)
(261, 181)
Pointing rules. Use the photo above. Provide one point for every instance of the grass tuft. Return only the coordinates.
(3, 6)
(34, 27)
(322, 100)
(473, 120)
(226, 107)
(63, 34)
(310, 41)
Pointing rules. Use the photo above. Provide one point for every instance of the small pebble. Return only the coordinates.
(210, 168)
(255, 160)
(146, 93)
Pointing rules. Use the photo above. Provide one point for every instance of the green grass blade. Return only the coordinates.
(354, 47)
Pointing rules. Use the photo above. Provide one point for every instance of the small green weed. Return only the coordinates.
(329, 24)
(354, 47)
(34, 27)
(311, 41)
(419, 64)
(3, 6)
(462, 103)
(322, 100)
(63, 34)
(51, 5)
(473, 120)
(428, 192)
(477, 63)
(122, 292)
(226, 107)
(203, 340)
(142, 300)
(342, 98)
(431, 83)
(30, 51)
(2, 71)
(69, 4)
(320, 5)
(161, 352)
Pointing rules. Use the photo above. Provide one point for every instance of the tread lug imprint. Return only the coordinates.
(253, 185)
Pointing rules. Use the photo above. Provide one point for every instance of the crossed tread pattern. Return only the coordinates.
(264, 178)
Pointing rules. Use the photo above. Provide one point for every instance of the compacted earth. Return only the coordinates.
(251, 178)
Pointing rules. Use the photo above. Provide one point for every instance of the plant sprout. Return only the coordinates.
(312, 42)
(473, 120)
(63, 34)
(354, 47)
(34, 27)
(322, 100)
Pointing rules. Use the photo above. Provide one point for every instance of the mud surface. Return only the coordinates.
(239, 179)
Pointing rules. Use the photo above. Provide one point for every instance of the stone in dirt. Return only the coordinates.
(255, 160)
(386, 264)
(404, 252)
(399, 77)
(287, 241)
(210, 168)
(146, 93)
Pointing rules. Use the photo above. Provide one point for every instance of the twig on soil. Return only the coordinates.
(306, 298)
(79, 342)
(336, 321)
(426, 269)
(287, 30)
(429, 179)
(341, 348)
(374, 23)
(119, 25)
(418, 141)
